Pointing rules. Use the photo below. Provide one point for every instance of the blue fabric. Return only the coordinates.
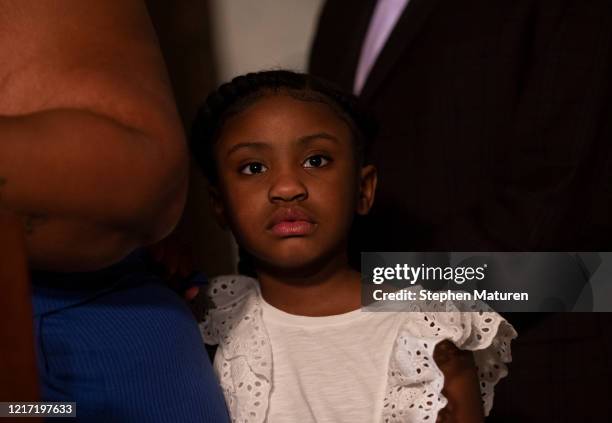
(123, 346)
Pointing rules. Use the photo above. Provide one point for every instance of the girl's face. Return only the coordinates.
(289, 183)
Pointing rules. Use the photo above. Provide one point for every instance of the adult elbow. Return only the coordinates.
(161, 204)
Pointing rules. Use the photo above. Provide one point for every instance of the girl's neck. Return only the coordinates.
(333, 288)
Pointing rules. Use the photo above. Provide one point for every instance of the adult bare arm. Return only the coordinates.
(92, 153)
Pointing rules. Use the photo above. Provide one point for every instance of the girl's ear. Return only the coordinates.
(216, 204)
(367, 189)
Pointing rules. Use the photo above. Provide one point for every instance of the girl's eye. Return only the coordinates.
(316, 161)
(253, 168)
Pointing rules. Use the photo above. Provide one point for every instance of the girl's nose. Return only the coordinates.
(287, 187)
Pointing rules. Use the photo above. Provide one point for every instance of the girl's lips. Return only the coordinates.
(293, 228)
(291, 221)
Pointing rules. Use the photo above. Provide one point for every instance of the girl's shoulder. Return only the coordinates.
(415, 382)
(227, 289)
(243, 361)
(230, 299)
(470, 326)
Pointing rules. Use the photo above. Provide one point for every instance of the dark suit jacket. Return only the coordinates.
(496, 131)
(495, 120)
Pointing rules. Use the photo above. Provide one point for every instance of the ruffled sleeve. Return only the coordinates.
(243, 362)
(414, 388)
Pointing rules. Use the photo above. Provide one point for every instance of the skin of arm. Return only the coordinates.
(92, 151)
(460, 385)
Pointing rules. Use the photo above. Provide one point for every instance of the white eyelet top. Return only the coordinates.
(410, 381)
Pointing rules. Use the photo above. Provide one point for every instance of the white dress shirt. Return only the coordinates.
(386, 15)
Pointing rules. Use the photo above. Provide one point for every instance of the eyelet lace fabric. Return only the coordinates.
(245, 369)
(414, 387)
(414, 381)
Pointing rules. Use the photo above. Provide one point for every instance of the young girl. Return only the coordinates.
(284, 156)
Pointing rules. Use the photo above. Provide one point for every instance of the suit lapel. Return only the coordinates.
(408, 26)
(358, 14)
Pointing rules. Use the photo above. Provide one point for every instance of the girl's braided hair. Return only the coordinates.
(235, 96)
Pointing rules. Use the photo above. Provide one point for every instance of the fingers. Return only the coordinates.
(191, 293)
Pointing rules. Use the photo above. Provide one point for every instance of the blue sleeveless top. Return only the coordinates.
(123, 346)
